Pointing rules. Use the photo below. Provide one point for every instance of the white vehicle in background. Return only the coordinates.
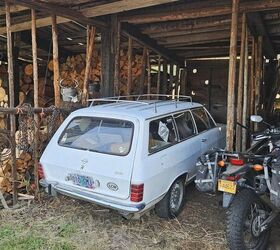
(129, 155)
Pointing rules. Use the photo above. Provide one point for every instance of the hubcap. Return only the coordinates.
(176, 196)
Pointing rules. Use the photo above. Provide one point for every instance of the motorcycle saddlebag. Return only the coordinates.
(275, 183)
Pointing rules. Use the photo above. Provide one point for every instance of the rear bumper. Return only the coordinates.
(82, 195)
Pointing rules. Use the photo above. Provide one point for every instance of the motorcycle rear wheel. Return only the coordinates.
(244, 215)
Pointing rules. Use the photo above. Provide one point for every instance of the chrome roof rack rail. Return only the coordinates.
(119, 99)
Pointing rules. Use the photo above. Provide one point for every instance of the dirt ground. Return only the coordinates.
(64, 223)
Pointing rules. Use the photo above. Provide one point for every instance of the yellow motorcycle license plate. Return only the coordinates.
(227, 186)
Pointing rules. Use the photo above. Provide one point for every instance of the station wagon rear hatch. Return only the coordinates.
(95, 155)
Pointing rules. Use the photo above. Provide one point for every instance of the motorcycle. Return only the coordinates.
(250, 183)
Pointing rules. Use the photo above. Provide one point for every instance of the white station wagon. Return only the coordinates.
(130, 156)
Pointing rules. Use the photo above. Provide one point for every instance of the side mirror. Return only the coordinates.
(256, 118)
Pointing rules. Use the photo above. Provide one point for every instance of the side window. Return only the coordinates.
(185, 125)
(161, 134)
(211, 121)
(201, 119)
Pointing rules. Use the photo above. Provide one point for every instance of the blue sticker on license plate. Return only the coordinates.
(80, 180)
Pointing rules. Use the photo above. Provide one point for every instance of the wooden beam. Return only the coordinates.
(195, 38)
(58, 10)
(232, 76)
(245, 94)
(200, 9)
(240, 85)
(145, 40)
(183, 25)
(202, 31)
(257, 28)
(89, 55)
(66, 14)
(171, 78)
(55, 62)
(164, 80)
(121, 6)
(116, 39)
(107, 64)
(42, 22)
(129, 69)
(11, 98)
(149, 73)
(158, 75)
(143, 71)
(36, 97)
(259, 67)
(14, 8)
(252, 77)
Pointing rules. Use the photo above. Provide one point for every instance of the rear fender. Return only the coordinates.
(227, 199)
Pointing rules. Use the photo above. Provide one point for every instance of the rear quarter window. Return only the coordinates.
(102, 135)
(161, 134)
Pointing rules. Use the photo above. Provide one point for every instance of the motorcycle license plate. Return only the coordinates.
(227, 186)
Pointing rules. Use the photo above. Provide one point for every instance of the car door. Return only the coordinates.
(205, 136)
(209, 133)
(187, 142)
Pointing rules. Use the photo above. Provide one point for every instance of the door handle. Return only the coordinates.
(204, 140)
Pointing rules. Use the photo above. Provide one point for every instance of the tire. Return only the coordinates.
(240, 211)
(172, 203)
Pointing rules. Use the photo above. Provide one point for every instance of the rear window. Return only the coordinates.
(101, 135)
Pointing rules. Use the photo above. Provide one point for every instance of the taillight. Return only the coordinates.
(236, 161)
(136, 192)
(233, 178)
(41, 174)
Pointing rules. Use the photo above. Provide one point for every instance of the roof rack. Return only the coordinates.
(137, 99)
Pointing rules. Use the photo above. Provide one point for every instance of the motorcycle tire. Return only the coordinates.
(238, 213)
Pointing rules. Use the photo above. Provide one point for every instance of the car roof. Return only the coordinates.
(138, 109)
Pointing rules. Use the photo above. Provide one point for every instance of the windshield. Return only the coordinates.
(101, 135)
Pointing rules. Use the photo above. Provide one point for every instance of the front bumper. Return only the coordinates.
(53, 187)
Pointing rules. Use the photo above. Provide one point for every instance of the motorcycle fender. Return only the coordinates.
(227, 199)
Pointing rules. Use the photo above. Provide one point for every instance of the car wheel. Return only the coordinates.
(172, 203)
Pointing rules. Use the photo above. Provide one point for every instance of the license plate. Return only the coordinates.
(82, 181)
(227, 186)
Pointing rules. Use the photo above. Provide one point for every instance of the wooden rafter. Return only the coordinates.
(200, 9)
(13, 9)
(66, 14)
(145, 40)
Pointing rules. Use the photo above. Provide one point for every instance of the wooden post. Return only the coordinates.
(36, 97)
(164, 77)
(55, 63)
(240, 85)
(209, 87)
(89, 55)
(258, 79)
(116, 30)
(259, 63)
(129, 69)
(158, 75)
(143, 70)
(245, 94)
(171, 78)
(252, 79)
(183, 81)
(149, 73)
(107, 64)
(231, 76)
(177, 79)
(11, 99)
